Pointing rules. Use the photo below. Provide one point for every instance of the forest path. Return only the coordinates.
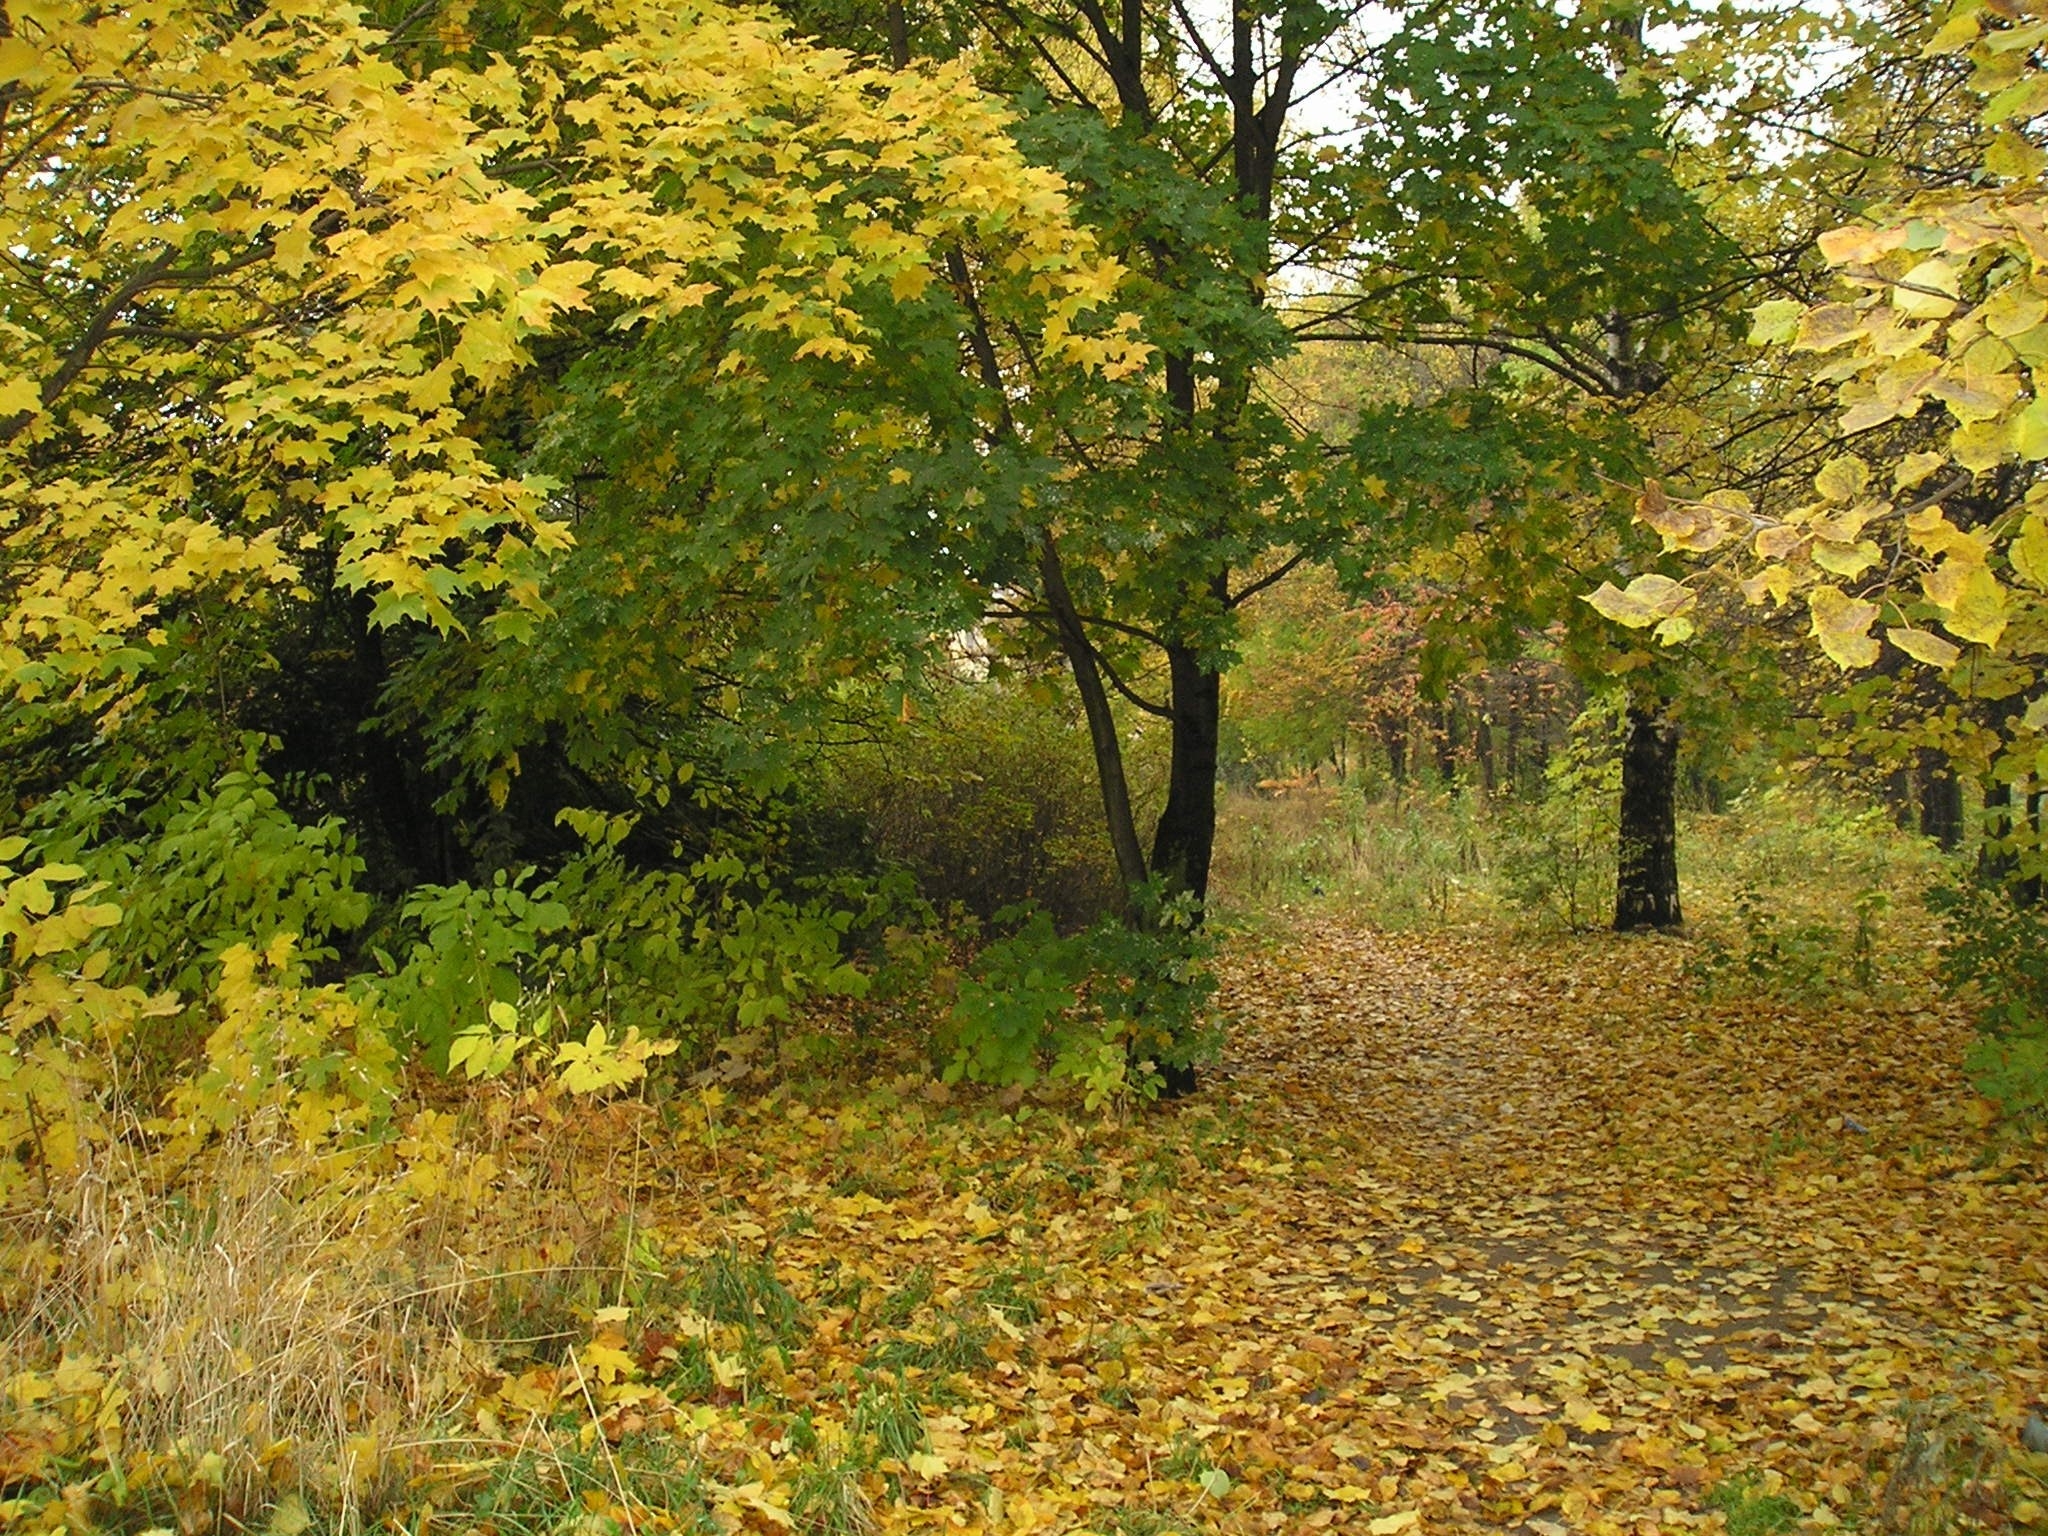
(1464, 1235)
(1561, 1247)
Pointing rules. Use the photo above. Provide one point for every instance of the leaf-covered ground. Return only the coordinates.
(1460, 1238)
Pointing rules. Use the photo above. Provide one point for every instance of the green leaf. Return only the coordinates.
(1775, 321)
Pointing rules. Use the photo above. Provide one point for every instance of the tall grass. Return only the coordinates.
(278, 1329)
(1786, 877)
(1414, 862)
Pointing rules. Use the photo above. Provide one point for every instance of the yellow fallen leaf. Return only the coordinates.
(1350, 1495)
(1387, 1525)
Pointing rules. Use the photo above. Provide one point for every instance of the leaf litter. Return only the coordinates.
(1460, 1237)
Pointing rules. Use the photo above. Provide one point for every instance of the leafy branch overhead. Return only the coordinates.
(1941, 550)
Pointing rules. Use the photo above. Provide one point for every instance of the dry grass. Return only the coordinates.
(282, 1328)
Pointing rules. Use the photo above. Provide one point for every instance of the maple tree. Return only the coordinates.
(259, 276)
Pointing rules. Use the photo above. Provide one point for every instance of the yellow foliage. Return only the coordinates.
(247, 303)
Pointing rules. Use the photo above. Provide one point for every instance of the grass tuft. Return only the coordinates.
(728, 1287)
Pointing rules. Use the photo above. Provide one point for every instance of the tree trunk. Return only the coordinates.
(1394, 737)
(1102, 730)
(1646, 888)
(1186, 836)
(1998, 860)
(1898, 794)
(1941, 798)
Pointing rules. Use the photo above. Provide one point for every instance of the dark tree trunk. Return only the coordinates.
(1898, 794)
(1482, 746)
(1446, 744)
(1941, 798)
(1394, 736)
(1186, 836)
(1998, 861)
(1646, 890)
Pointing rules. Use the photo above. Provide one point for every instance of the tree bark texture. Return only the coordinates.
(1185, 839)
(1646, 888)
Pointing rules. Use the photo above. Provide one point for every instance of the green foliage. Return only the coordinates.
(1008, 1009)
(986, 794)
(1013, 1291)
(1811, 897)
(889, 1416)
(775, 953)
(827, 1500)
(730, 1287)
(1401, 863)
(902, 1303)
(1107, 1007)
(475, 946)
(539, 1493)
(229, 866)
(655, 954)
(1999, 949)
(1557, 856)
(1750, 1511)
(1801, 959)
(956, 1339)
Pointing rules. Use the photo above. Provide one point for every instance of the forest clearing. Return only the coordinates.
(852, 766)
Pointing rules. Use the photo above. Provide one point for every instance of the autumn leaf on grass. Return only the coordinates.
(607, 1361)
(1388, 1525)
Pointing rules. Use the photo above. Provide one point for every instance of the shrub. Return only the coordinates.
(1556, 857)
(1999, 949)
(989, 798)
(1110, 1007)
(230, 866)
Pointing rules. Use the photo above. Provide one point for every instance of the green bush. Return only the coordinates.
(1556, 857)
(475, 946)
(1109, 1007)
(231, 866)
(1999, 949)
(989, 798)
